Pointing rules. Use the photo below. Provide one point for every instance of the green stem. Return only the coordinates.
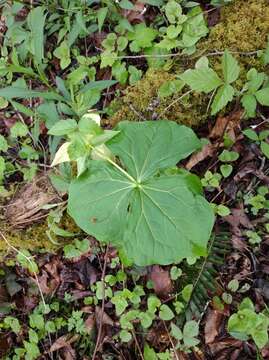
(114, 164)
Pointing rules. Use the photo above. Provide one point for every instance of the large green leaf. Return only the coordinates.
(156, 217)
(144, 148)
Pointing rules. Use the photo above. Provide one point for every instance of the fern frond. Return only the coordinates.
(205, 284)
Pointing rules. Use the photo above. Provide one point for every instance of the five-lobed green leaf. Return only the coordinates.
(151, 215)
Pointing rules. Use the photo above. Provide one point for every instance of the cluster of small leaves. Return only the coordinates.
(246, 323)
(85, 139)
(204, 79)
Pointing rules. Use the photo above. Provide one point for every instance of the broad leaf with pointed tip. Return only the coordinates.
(156, 216)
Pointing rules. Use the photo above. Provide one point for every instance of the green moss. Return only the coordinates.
(31, 238)
(244, 27)
(34, 238)
(141, 102)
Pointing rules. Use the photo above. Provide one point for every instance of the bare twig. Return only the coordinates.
(137, 345)
(103, 306)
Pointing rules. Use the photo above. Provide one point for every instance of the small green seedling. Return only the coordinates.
(246, 324)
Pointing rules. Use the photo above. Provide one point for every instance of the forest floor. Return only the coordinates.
(203, 64)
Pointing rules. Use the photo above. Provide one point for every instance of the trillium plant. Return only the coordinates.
(129, 192)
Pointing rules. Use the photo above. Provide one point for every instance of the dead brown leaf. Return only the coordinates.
(207, 151)
(63, 341)
(162, 283)
(90, 323)
(68, 353)
(212, 325)
(237, 219)
(226, 346)
(229, 124)
(106, 320)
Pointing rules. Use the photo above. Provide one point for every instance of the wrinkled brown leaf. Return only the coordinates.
(229, 124)
(162, 283)
(207, 151)
(228, 344)
(63, 341)
(237, 219)
(89, 323)
(68, 353)
(212, 325)
(106, 320)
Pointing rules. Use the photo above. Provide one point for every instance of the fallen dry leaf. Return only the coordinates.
(106, 320)
(207, 151)
(212, 325)
(229, 124)
(68, 353)
(63, 342)
(228, 345)
(90, 323)
(238, 218)
(162, 283)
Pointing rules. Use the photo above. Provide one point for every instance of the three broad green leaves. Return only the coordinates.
(155, 214)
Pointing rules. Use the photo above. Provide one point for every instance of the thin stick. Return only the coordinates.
(171, 341)
(174, 102)
(137, 345)
(103, 306)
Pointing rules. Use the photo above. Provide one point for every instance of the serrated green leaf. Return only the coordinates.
(186, 292)
(228, 156)
(149, 353)
(176, 332)
(262, 96)
(191, 329)
(18, 130)
(202, 79)
(255, 80)
(230, 67)
(249, 104)
(260, 338)
(170, 88)
(223, 96)
(149, 216)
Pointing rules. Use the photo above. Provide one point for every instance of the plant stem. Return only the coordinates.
(114, 164)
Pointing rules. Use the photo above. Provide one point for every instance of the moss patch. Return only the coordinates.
(244, 27)
(141, 102)
(34, 238)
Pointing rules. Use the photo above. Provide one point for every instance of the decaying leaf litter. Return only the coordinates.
(65, 295)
